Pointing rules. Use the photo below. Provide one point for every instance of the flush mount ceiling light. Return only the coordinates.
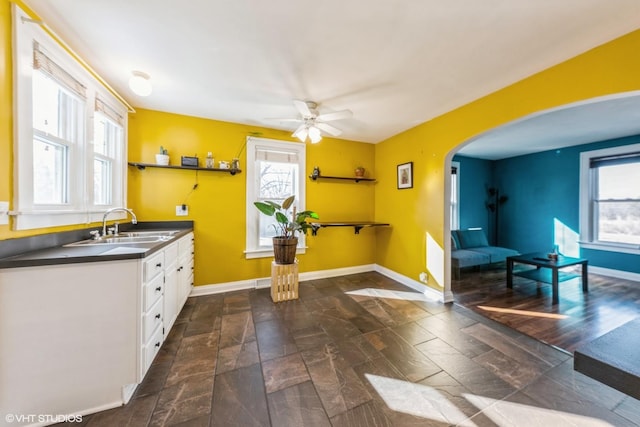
(140, 83)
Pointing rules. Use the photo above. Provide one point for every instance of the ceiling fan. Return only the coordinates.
(313, 124)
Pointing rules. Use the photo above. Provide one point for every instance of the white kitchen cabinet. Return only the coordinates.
(77, 338)
(178, 278)
(185, 268)
(68, 336)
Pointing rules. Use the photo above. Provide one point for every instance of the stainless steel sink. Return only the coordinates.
(122, 240)
(150, 233)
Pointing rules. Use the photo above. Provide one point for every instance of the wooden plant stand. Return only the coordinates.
(284, 281)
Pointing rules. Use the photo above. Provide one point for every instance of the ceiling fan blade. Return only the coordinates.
(331, 130)
(327, 117)
(303, 108)
(284, 120)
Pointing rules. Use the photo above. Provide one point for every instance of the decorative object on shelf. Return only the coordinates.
(188, 161)
(162, 158)
(286, 226)
(316, 174)
(235, 163)
(405, 175)
(143, 166)
(210, 161)
(224, 164)
(359, 171)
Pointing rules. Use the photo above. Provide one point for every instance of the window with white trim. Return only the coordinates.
(610, 199)
(69, 137)
(455, 196)
(275, 171)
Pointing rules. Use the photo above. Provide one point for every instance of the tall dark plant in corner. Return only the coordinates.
(493, 203)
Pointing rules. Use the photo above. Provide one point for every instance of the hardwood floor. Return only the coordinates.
(358, 350)
(578, 318)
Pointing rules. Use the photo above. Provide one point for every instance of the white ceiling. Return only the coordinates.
(395, 64)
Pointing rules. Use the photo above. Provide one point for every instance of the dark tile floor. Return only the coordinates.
(359, 350)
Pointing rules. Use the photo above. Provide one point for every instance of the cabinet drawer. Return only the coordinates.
(153, 266)
(152, 319)
(153, 291)
(151, 348)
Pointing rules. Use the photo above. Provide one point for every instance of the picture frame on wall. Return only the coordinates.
(405, 175)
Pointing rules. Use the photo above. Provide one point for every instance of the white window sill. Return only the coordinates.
(611, 247)
(266, 253)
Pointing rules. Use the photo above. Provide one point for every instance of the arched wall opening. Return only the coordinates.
(596, 119)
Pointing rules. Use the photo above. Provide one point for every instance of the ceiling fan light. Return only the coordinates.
(301, 134)
(314, 135)
(140, 83)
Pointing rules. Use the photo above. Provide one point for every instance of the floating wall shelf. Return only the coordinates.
(357, 225)
(315, 175)
(143, 166)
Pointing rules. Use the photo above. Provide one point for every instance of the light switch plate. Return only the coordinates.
(4, 213)
(182, 210)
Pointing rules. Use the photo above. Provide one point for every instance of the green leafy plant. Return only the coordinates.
(163, 150)
(288, 223)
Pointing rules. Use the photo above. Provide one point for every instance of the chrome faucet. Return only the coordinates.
(134, 220)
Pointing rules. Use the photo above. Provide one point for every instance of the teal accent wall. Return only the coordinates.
(543, 189)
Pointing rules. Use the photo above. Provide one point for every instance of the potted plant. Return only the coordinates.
(287, 225)
(162, 158)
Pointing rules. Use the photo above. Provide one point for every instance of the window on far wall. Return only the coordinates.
(70, 135)
(455, 195)
(275, 171)
(610, 199)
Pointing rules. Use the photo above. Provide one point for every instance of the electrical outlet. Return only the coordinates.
(4, 213)
(424, 277)
(182, 210)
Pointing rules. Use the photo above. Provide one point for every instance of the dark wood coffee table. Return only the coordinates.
(540, 274)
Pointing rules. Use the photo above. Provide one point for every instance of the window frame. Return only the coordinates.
(455, 206)
(252, 247)
(80, 208)
(588, 193)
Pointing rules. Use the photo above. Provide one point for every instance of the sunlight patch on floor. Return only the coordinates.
(504, 413)
(523, 312)
(416, 399)
(385, 293)
(429, 403)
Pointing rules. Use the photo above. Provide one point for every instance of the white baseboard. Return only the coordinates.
(219, 288)
(413, 284)
(265, 282)
(618, 274)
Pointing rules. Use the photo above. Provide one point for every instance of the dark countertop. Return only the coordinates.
(49, 249)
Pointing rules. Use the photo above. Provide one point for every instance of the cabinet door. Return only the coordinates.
(170, 297)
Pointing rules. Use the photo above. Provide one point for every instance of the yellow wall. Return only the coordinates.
(218, 204)
(608, 69)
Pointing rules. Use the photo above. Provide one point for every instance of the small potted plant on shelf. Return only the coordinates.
(162, 158)
(287, 225)
(359, 171)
